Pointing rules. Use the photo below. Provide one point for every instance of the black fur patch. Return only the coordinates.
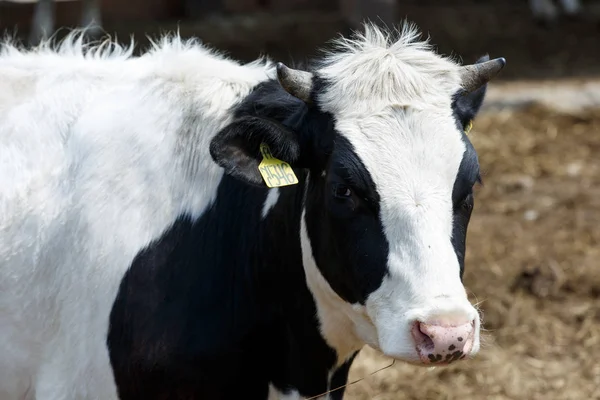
(218, 308)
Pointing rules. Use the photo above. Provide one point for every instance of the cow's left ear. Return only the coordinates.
(237, 147)
(466, 105)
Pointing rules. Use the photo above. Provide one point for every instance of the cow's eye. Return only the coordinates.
(342, 191)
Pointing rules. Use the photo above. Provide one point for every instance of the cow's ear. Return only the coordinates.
(236, 147)
(467, 105)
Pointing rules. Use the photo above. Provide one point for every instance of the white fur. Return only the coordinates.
(392, 100)
(270, 202)
(99, 153)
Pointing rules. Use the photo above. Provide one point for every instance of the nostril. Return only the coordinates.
(423, 340)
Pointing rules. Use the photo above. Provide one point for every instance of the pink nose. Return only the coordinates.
(442, 344)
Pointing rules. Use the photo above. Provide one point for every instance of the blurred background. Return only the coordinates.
(533, 259)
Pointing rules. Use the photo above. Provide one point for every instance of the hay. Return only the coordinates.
(533, 261)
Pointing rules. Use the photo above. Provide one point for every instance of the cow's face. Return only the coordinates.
(389, 193)
(385, 225)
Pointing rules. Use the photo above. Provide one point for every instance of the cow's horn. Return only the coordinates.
(295, 82)
(475, 76)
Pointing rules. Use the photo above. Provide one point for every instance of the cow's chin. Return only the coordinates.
(400, 350)
(396, 345)
(392, 344)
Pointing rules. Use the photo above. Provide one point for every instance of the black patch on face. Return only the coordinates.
(344, 225)
(463, 200)
(465, 108)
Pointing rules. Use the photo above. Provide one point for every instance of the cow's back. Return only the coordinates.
(97, 159)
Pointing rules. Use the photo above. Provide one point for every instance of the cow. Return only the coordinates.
(179, 225)
(42, 25)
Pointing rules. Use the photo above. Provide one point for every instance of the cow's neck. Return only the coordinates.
(282, 287)
(337, 320)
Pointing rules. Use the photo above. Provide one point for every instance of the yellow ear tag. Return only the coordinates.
(276, 173)
(468, 128)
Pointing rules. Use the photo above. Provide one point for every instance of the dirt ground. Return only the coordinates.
(532, 266)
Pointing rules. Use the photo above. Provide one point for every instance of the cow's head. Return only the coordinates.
(379, 125)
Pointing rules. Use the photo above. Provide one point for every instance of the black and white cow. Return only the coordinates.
(134, 266)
